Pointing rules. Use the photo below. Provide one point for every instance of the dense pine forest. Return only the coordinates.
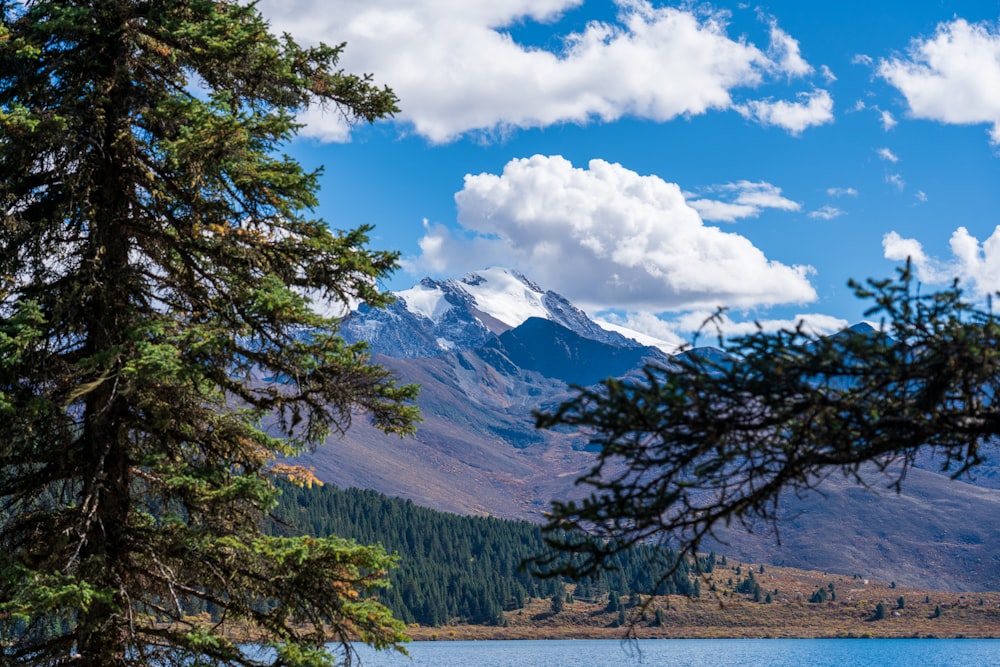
(458, 569)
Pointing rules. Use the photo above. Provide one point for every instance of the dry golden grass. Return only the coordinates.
(724, 613)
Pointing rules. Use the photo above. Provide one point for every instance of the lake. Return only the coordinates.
(693, 653)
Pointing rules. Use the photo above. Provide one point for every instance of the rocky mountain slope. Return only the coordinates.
(493, 347)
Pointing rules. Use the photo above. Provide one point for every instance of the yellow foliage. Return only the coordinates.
(298, 475)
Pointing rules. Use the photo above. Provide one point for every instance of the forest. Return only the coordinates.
(463, 569)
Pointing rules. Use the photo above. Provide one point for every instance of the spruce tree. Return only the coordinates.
(724, 438)
(161, 348)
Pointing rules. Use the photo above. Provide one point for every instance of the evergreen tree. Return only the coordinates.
(558, 601)
(159, 346)
(715, 439)
(818, 596)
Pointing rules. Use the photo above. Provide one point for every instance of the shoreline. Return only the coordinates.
(491, 633)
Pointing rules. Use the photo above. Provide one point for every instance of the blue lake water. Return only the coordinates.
(694, 653)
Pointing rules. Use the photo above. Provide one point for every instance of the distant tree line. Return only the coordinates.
(455, 568)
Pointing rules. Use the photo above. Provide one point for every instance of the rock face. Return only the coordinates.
(493, 347)
(435, 317)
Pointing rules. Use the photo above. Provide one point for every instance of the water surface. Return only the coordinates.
(693, 653)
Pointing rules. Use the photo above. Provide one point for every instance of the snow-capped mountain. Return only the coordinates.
(438, 316)
(493, 348)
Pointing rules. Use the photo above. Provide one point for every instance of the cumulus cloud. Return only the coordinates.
(812, 109)
(896, 181)
(606, 237)
(973, 262)
(746, 200)
(842, 192)
(976, 263)
(826, 213)
(952, 77)
(457, 68)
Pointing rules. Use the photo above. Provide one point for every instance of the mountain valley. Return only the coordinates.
(492, 348)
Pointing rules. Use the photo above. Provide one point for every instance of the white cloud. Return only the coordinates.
(888, 120)
(653, 330)
(952, 77)
(606, 237)
(815, 108)
(842, 192)
(703, 327)
(827, 73)
(862, 59)
(784, 49)
(921, 196)
(720, 211)
(899, 249)
(887, 155)
(826, 213)
(812, 323)
(457, 69)
(896, 180)
(762, 195)
(748, 199)
(977, 263)
(973, 262)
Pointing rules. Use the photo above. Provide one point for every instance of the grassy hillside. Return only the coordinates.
(459, 577)
(726, 613)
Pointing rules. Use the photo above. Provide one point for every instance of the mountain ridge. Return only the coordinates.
(438, 316)
(478, 451)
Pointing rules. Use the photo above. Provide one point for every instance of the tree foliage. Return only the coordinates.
(715, 438)
(159, 345)
(462, 569)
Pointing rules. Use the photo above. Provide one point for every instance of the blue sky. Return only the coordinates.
(654, 160)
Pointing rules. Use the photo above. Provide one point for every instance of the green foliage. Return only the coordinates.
(818, 596)
(713, 440)
(457, 568)
(159, 350)
(558, 600)
(880, 611)
(451, 568)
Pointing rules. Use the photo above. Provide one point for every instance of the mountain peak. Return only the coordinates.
(436, 316)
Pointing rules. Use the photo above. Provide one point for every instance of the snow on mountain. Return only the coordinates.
(641, 338)
(505, 295)
(438, 316)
